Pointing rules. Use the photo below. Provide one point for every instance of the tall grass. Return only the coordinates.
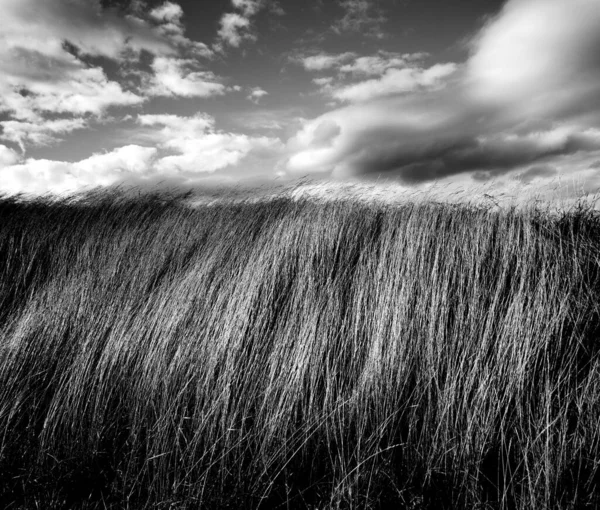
(297, 354)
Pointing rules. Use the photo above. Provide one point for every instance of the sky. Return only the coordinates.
(188, 94)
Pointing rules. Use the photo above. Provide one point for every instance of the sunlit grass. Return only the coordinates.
(299, 353)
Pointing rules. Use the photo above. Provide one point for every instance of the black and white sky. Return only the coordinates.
(197, 93)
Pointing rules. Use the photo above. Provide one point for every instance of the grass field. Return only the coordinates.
(297, 354)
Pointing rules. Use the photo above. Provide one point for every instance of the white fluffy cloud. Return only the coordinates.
(67, 87)
(8, 157)
(185, 151)
(41, 79)
(175, 77)
(538, 57)
(40, 176)
(352, 64)
(168, 12)
(236, 27)
(198, 146)
(40, 74)
(48, 88)
(391, 73)
(256, 93)
(32, 25)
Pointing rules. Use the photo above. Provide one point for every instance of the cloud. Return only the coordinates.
(323, 61)
(323, 82)
(68, 87)
(42, 69)
(536, 172)
(236, 27)
(175, 128)
(174, 77)
(538, 58)
(51, 82)
(349, 63)
(431, 139)
(40, 74)
(395, 81)
(169, 16)
(33, 25)
(198, 146)
(528, 96)
(376, 65)
(394, 74)
(248, 7)
(276, 8)
(43, 132)
(40, 176)
(168, 12)
(184, 151)
(8, 157)
(360, 16)
(325, 133)
(271, 119)
(130, 159)
(256, 93)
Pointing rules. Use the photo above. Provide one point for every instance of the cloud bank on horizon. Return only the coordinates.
(521, 106)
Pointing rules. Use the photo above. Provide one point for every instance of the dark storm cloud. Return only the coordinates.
(444, 154)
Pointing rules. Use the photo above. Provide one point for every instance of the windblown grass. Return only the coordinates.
(296, 353)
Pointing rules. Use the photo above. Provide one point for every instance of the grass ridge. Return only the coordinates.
(297, 354)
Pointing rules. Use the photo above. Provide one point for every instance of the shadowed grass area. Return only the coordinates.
(297, 354)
